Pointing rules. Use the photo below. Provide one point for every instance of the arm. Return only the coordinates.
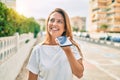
(76, 65)
(33, 64)
(32, 76)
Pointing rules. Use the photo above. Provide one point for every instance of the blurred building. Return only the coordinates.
(41, 22)
(9, 3)
(104, 12)
(78, 23)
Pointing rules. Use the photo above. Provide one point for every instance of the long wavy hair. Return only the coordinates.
(68, 29)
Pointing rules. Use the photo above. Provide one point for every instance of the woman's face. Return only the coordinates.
(56, 25)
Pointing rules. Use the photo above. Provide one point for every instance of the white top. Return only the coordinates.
(51, 63)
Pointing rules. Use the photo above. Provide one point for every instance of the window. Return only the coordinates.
(113, 1)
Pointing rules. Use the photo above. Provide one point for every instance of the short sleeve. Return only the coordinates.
(76, 52)
(33, 64)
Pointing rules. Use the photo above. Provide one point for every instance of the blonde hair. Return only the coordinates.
(68, 29)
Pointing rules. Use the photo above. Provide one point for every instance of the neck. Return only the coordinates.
(53, 42)
(50, 42)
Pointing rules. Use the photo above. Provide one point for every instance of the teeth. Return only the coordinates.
(54, 29)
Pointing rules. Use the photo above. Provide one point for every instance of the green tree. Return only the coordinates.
(75, 28)
(3, 18)
(11, 22)
(104, 26)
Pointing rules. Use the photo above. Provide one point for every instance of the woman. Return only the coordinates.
(48, 60)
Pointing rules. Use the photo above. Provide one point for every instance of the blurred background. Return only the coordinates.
(95, 24)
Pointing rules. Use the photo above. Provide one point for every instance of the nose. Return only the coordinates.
(55, 23)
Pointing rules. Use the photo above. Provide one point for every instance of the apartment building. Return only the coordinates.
(78, 23)
(10, 3)
(104, 12)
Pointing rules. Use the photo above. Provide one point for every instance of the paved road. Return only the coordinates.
(101, 63)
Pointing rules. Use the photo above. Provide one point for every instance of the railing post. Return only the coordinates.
(17, 40)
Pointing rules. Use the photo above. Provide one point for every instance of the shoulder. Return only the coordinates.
(36, 47)
(36, 51)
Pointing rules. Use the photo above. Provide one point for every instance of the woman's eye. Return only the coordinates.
(52, 20)
(60, 21)
(57, 21)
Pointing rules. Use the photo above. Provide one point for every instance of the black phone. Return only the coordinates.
(64, 41)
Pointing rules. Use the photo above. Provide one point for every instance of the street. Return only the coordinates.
(101, 62)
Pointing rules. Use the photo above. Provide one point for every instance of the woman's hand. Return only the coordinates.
(63, 41)
(66, 48)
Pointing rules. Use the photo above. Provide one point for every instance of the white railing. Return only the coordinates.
(10, 45)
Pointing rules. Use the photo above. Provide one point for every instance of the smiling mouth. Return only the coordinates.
(54, 29)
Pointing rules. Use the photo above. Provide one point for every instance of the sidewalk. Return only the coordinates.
(23, 74)
(92, 72)
(12, 66)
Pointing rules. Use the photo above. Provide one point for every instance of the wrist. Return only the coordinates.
(66, 48)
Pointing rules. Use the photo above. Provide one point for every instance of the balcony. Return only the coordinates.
(103, 21)
(118, 1)
(103, 1)
(117, 23)
(117, 16)
(95, 20)
(110, 23)
(101, 13)
(114, 29)
(117, 10)
(116, 5)
(101, 6)
(95, 9)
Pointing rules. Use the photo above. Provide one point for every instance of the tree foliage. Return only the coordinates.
(11, 22)
(104, 26)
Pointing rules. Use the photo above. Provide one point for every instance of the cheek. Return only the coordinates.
(49, 26)
(63, 28)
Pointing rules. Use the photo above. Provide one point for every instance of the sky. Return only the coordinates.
(42, 8)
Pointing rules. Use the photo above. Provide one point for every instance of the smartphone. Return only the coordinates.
(63, 41)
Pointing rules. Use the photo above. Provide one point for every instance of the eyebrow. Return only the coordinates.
(57, 19)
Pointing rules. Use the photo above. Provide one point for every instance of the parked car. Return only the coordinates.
(109, 38)
(86, 35)
(103, 36)
(116, 39)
